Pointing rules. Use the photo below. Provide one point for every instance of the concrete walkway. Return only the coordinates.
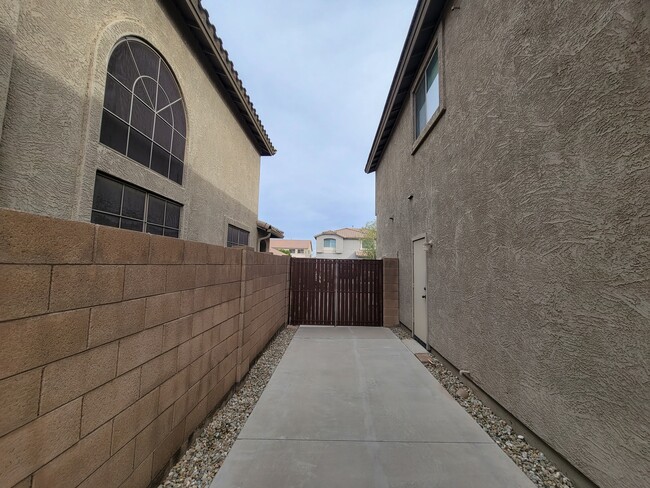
(351, 407)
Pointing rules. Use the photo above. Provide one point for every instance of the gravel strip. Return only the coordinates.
(531, 461)
(200, 463)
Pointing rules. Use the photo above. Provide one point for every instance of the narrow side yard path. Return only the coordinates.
(353, 407)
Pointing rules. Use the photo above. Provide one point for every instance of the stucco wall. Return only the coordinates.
(533, 188)
(49, 151)
(116, 345)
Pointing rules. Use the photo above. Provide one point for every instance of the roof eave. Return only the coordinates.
(199, 23)
(425, 19)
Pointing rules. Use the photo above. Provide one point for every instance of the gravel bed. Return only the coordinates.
(200, 463)
(531, 461)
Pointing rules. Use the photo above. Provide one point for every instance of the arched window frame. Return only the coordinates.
(143, 112)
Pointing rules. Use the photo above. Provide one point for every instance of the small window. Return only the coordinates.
(237, 237)
(119, 204)
(329, 243)
(427, 95)
(144, 116)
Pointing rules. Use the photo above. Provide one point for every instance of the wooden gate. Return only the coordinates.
(336, 292)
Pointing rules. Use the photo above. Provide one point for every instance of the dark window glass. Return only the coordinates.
(133, 203)
(117, 99)
(131, 224)
(237, 236)
(114, 132)
(160, 160)
(175, 170)
(141, 89)
(172, 215)
(142, 118)
(139, 148)
(178, 145)
(155, 229)
(122, 66)
(163, 134)
(108, 195)
(104, 219)
(122, 205)
(156, 213)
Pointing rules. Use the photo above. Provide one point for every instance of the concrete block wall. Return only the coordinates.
(116, 345)
(391, 292)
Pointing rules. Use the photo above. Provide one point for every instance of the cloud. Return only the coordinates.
(318, 73)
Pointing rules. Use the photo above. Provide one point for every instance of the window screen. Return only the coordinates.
(237, 236)
(119, 204)
(144, 115)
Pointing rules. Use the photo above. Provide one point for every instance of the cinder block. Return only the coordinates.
(232, 256)
(119, 246)
(180, 277)
(141, 475)
(24, 290)
(19, 396)
(196, 417)
(131, 421)
(36, 341)
(215, 254)
(114, 471)
(199, 368)
(162, 308)
(185, 404)
(69, 378)
(189, 351)
(177, 332)
(107, 401)
(187, 302)
(30, 447)
(85, 286)
(78, 462)
(158, 370)
(139, 348)
(195, 252)
(165, 250)
(172, 389)
(144, 281)
(215, 396)
(152, 435)
(168, 447)
(29, 238)
(114, 321)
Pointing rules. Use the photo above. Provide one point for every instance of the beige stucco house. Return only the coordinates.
(512, 166)
(297, 248)
(346, 243)
(127, 114)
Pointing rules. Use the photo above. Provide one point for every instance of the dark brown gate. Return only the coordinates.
(336, 292)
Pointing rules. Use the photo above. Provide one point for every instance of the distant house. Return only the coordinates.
(343, 243)
(298, 248)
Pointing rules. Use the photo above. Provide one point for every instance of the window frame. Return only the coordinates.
(175, 161)
(239, 230)
(435, 47)
(325, 241)
(145, 214)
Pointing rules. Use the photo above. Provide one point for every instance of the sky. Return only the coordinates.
(318, 73)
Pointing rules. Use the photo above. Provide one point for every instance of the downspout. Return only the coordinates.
(259, 241)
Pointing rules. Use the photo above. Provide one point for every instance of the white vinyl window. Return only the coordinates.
(427, 95)
(329, 243)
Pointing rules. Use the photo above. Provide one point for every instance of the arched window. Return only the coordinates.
(144, 116)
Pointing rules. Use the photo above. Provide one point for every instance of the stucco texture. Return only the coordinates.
(49, 151)
(533, 190)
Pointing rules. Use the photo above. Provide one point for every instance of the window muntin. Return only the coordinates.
(237, 236)
(427, 95)
(119, 204)
(144, 116)
(329, 243)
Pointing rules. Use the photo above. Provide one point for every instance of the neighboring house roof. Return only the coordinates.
(425, 20)
(345, 233)
(290, 244)
(197, 19)
(268, 228)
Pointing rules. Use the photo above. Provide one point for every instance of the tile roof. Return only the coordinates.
(345, 233)
(290, 244)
